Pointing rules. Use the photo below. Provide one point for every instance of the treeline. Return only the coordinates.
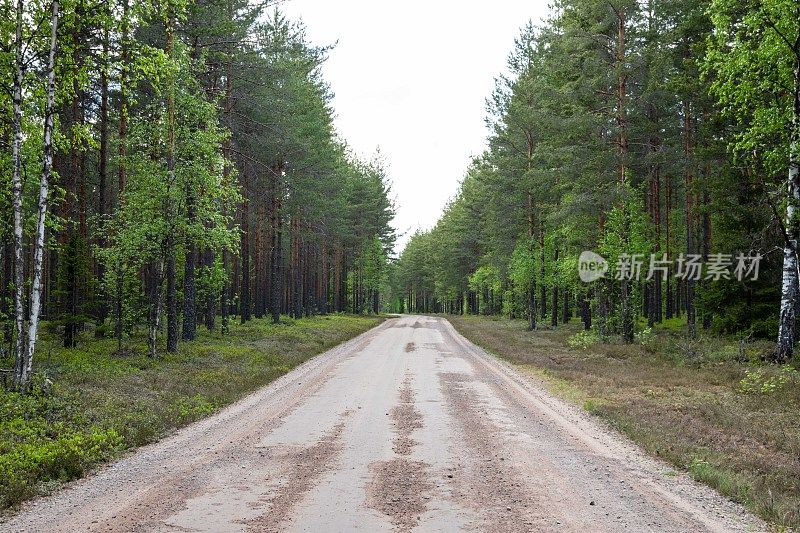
(650, 128)
(168, 164)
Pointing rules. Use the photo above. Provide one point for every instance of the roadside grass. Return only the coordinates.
(708, 406)
(90, 404)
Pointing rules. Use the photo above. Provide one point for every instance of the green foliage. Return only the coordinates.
(583, 339)
(44, 438)
(750, 64)
(768, 381)
(194, 407)
(627, 231)
(645, 337)
(522, 268)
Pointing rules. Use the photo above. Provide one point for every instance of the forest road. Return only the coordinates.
(406, 427)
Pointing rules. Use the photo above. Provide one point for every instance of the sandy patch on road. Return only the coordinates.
(405, 419)
(399, 487)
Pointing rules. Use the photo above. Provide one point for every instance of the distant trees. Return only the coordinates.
(624, 129)
(183, 165)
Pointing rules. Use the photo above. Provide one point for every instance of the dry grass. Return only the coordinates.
(707, 406)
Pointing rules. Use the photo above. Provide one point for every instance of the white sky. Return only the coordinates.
(412, 77)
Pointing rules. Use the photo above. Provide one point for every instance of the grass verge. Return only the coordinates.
(708, 406)
(89, 404)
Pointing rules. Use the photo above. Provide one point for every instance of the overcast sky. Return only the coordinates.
(412, 78)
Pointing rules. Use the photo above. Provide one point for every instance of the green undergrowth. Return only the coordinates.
(89, 404)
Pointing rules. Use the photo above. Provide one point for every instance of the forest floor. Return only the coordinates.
(709, 406)
(91, 403)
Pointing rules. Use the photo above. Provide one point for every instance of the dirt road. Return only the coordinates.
(408, 426)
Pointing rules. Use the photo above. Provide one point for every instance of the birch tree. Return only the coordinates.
(20, 378)
(26, 345)
(44, 189)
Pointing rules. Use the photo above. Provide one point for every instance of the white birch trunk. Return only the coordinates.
(44, 188)
(16, 155)
(789, 284)
(155, 317)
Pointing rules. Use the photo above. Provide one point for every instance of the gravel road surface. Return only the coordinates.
(406, 427)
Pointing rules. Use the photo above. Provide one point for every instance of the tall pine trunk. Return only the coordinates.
(542, 287)
(626, 304)
(296, 268)
(225, 297)
(532, 287)
(706, 241)
(209, 261)
(170, 241)
(121, 165)
(189, 286)
(690, 244)
(670, 298)
(244, 289)
(554, 291)
(276, 258)
(102, 171)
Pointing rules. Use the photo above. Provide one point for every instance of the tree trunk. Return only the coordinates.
(244, 296)
(790, 292)
(337, 279)
(154, 278)
(626, 304)
(554, 295)
(585, 311)
(259, 262)
(324, 281)
(102, 174)
(706, 242)
(170, 242)
(226, 294)
(296, 268)
(276, 289)
(44, 189)
(20, 376)
(654, 286)
(189, 293)
(122, 167)
(670, 298)
(690, 245)
(172, 298)
(542, 288)
(226, 173)
(211, 298)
